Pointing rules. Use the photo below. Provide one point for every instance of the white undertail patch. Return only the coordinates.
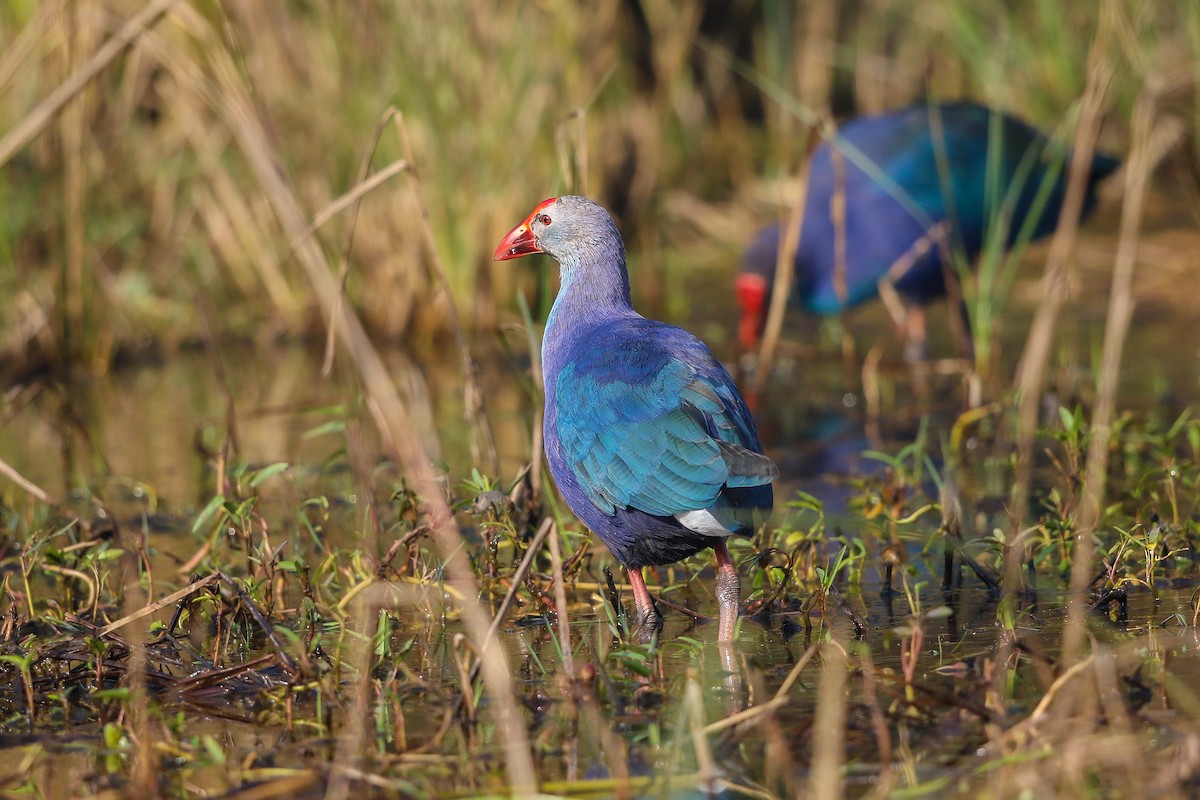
(704, 522)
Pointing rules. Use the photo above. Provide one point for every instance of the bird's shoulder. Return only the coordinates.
(640, 351)
(655, 375)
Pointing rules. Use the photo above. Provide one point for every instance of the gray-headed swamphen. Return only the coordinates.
(646, 435)
(914, 182)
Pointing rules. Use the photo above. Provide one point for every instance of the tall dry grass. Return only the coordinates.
(124, 196)
(157, 154)
(127, 179)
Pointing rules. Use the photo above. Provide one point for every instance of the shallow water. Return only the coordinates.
(145, 438)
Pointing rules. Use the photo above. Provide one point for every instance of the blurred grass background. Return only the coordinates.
(134, 208)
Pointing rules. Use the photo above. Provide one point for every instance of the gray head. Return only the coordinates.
(572, 229)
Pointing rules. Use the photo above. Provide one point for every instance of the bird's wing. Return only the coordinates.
(975, 166)
(662, 433)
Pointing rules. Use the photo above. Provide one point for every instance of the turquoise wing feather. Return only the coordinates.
(659, 433)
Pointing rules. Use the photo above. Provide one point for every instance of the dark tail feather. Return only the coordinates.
(746, 468)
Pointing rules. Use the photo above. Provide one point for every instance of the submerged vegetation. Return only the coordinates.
(1001, 598)
(325, 623)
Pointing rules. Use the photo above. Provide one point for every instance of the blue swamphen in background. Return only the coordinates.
(646, 435)
(914, 182)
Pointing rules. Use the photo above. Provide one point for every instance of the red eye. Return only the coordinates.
(544, 219)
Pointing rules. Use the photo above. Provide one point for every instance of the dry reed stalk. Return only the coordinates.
(753, 714)
(483, 443)
(392, 593)
(837, 216)
(292, 784)
(247, 603)
(785, 263)
(879, 726)
(1111, 694)
(344, 267)
(539, 383)
(570, 142)
(1027, 726)
(825, 776)
(794, 675)
(352, 740)
(364, 614)
(1120, 311)
(814, 62)
(779, 775)
(151, 608)
(31, 488)
(229, 443)
(83, 577)
(871, 384)
(216, 223)
(613, 748)
(705, 768)
(366, 184)
(234, 227)
(560, 600)
(878, 75)
(1032, 367)
(941, 235)
(932, 237)
(18, 53)
(32, 123)
(362, 460)
(72, 292)
(518, 578)
(144, 769)
(674, 28)
(236, 106)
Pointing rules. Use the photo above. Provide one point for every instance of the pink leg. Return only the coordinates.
(647, 617)
(728, 589)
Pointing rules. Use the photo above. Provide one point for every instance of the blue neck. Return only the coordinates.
(595, 289)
